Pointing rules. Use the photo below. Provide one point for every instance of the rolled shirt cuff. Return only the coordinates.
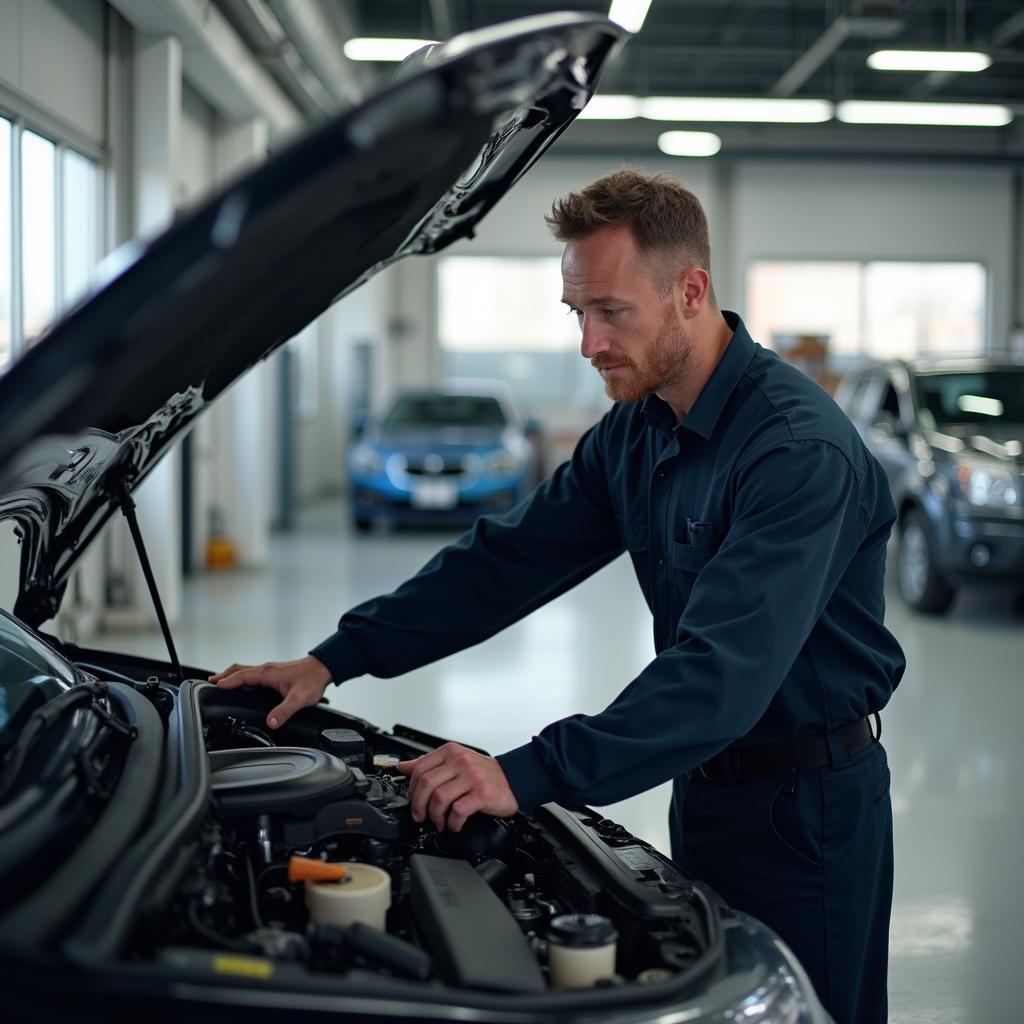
(530, 780)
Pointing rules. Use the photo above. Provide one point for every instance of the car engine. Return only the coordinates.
(486, 909)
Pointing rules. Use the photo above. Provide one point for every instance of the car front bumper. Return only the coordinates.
(976, 550)
(434, 500)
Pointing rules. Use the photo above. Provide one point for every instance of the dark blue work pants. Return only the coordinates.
(810, 855)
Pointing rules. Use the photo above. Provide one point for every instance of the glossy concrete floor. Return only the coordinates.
(953, 731)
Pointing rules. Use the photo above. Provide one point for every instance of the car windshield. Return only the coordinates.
(25, 666)
(418, 411)
(992, 396)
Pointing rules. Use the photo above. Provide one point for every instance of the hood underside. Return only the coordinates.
(88, 412)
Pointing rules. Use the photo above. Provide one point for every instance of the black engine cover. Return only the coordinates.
(274, 780)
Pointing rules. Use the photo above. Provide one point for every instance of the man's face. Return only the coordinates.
(631, 331)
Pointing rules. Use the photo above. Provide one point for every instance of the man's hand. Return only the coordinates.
(454, 782)
(301, 683)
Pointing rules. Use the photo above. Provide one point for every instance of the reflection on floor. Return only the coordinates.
(952, 732)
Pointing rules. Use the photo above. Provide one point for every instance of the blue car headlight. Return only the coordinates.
(366, 459)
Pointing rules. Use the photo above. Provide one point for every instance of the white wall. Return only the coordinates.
(323, 440)
(813, 210)
(515, 227)
(52, 57)
(870, 211)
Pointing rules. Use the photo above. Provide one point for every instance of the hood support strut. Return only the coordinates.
(128, 508)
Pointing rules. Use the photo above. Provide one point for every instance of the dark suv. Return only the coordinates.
(950, 434)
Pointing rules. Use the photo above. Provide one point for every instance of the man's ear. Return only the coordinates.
(692, 290)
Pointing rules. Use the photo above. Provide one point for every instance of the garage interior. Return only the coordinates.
(838, 240)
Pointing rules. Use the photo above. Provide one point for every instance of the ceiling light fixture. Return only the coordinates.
(368, 48)
(728, 108)
(971, 115)
(929, 60)
(611, 108)
(689, 143)
(629, 14)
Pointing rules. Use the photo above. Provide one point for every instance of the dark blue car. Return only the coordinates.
(445, 455)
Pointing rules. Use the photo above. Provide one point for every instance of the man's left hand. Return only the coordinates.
(451, 783)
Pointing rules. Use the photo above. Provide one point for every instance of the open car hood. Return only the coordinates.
(88, 412)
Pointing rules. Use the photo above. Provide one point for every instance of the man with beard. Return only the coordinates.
(757, 524)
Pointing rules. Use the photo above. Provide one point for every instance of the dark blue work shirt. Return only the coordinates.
(757, 528)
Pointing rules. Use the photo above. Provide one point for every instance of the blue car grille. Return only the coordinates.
(448, 469)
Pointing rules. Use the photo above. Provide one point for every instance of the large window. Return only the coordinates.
(49, 232)
(38, 233)
(80, 229)
(502, 318)
(880, 309)
(6, 242)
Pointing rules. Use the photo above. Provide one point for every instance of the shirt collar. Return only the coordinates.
(703, 417)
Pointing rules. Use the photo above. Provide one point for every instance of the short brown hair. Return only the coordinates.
(666, 219)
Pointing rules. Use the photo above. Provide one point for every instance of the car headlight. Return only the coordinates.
(779, 991)
(366, 459)
(502, 462)
(987, 485)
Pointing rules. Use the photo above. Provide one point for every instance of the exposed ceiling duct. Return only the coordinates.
(216, 61)
(843, 28)
(316, 37)
(999, 36)
(273, 48)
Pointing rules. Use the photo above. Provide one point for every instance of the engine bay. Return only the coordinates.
(514, 905)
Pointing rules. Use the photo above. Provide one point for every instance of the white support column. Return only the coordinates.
(156, 125)
(240, 464)
(408, 350)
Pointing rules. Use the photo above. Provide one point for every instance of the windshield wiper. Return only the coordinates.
(41, 720)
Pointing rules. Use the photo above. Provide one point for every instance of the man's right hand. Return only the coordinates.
(301, 683)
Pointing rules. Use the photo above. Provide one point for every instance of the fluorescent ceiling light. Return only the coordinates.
(728, 108)
(689, 143)
(612, 108)
(975, 115)
(629, 14)
(366, 48)
(929, 60)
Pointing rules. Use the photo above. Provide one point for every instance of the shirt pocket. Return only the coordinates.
(686, 558)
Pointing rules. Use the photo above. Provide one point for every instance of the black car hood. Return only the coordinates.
(87, 413)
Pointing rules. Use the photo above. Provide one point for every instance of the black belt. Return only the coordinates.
(773, 760)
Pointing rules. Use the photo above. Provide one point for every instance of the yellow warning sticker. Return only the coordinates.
(243, 966)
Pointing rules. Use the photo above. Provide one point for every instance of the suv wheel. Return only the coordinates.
(921, 584)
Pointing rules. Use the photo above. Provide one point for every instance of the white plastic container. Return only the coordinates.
(364, 896)
(581, 950)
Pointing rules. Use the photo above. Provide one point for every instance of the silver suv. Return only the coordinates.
(950, 434)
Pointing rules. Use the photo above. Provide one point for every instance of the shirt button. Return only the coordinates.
(661, 561)
(661, 474)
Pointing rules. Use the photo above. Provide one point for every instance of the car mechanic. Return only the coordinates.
(757, 524)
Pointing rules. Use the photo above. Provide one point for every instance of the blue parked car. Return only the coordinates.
(445, 455)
